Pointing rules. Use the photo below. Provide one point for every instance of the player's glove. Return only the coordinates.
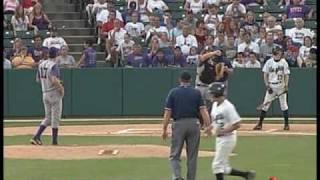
(270, 91)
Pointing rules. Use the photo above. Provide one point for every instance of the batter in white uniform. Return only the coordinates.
(226, 121)
(276, 77)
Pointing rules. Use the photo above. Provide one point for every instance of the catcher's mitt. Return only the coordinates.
(219, 68)
(270, 91)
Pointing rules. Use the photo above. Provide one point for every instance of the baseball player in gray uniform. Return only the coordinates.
(48, 75)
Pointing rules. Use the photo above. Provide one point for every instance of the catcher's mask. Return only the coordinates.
(217, 89)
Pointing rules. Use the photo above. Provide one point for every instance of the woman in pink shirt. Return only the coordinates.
(9, 6)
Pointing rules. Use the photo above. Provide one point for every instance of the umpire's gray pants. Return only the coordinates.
(53, 108)
(187, 130)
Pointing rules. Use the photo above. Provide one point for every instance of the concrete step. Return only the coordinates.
(79, 48)
(61, 7)
(59, 2)
(77, 39)
(69, 23)
(76, 31)
(100, 55)
(63, 15)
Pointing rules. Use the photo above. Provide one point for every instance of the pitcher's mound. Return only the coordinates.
(90, 152)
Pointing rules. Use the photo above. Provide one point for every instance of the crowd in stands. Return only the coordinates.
(148, 33)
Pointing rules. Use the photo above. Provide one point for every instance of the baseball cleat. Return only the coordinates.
(251, 175)
(257, 127)
(286, 128)
(35, 141)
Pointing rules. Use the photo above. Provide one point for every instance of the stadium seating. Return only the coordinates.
(44, 33)
(8, 35)
(25, 34)
(8, 43)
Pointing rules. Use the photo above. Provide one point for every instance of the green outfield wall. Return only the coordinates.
(142, 92)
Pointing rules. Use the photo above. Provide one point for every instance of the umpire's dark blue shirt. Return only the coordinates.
(184, 102)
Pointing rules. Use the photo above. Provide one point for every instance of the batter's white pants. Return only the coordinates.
(53, 108)
(282, 98)
(224, 147)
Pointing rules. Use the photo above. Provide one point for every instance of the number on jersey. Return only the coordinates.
(43, 72)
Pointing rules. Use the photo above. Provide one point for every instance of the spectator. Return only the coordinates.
(125, 48)
(248, 45)
(254, 2)
(65, 60)
(200, 33)
(164, 42)
(89, 6)
(239, 62)
(109, 25)
(230, 48)
(96, 9)
(240, 39)
(36, 50)
(54, 40)
(265, 17)
(291, 53)
(19, 22)
(195, 6)
(9, 6)
(190, 20)
(253, 61)
(160, 60)
(304, 51)
(212, 18)
(209, 41)
(220, 41)
(289, 2)
(299, 32)
(88, 58)
(250, 23)
(179, 60)
(176, 31)
(45, 55)
(151, 23)
(237, 9)
(157, 29)
(168, 22)
(15, 51)
(311, 60)
(23, 61)
(267, 48)
(135, 28)
(213, 2)
(262, 36)
(271, 25)
(115, 36)
(154, 47)
(156, 6)
(143, 11)
(28, 5)
(220, 27)
(38, 19)
(280, 40)
(232, 28)
(137, 58)
(186, 41)
(192, 58)
(6, 62)
(103, 16)
(296, 10)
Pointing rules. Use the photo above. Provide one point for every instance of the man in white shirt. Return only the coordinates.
(157, 29)
(186, 41)
(253, 61)
(102, 17)
(299, 32)
(156, 4)
(237, 9)
(135, 28)
(248, 45)
(115, 37)
(54, 40)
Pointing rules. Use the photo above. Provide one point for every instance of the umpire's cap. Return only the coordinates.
(217, 89)
(185, 76)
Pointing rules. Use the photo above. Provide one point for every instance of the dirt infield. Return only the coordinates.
(155, 130)
(91, 152)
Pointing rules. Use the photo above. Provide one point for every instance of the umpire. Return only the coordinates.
(183, 104)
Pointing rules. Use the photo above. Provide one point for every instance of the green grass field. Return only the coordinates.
(287, 157)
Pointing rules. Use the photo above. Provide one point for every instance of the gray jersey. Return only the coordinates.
(46, 70)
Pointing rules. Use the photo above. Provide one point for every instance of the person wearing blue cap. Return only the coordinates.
(183, 105)
(48, 75)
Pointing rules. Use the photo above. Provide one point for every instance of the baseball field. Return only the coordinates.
(127, 151)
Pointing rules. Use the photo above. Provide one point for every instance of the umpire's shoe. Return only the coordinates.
(36, 141)
(251, 175)
(286, 127)
(258, 127)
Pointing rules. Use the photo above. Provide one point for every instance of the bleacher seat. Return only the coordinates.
(25, 34)
(140, 41)
(28, 42)
(257, 9)
(44, 33)
(311, 2)
(8, 35)
(288, 24)
(177, 14)
(8, 43)
(274, 8)
(259, 17)
(176, 6)
(222, 9)
(7, 17)
(310, 24)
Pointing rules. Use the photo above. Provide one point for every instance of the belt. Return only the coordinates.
(203, 85)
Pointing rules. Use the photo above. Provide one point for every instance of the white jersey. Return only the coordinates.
(46, 70)
(56, 42)
(134, 29)
(196, 7)
(224, 115)
(276, 71)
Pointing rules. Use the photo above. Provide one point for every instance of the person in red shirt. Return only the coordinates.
(108, 26)
(28, 5)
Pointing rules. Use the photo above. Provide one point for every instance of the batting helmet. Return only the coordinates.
(217, 89)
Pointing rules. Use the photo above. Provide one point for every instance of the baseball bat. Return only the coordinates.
(259, 108)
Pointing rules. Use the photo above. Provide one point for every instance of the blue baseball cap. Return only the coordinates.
(53, 52)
